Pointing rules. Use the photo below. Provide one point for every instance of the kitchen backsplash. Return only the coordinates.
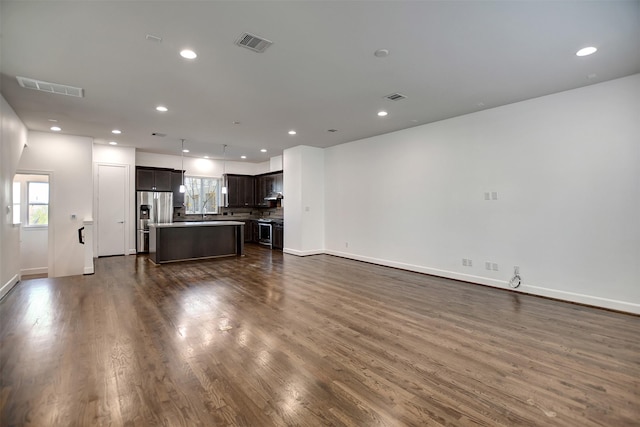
(230, 214)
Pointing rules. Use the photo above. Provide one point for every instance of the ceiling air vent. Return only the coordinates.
(395, 97)
(50, 87)
(253, 42)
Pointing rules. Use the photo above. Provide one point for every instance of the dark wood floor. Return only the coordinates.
(276, 340)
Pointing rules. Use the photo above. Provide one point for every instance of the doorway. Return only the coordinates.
(31, 208)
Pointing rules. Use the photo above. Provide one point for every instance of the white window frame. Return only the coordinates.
(217, 196)
(28, 204)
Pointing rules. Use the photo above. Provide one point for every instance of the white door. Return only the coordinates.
(111, 210)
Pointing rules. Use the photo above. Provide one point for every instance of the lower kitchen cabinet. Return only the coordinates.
(278, 237)
(248, 231)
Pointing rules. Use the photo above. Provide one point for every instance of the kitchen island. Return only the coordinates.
(180, 241)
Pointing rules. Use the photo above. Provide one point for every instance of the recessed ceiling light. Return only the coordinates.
(586, 51)
(292, 132)
(56, 128)
(113, 143)
(53, 120)
(382, 113)
(264, 150)
(243, 157)
(381, 53)
(162, 108)
(206, 157)
(116, 132)
(188, 54)
(185, 151)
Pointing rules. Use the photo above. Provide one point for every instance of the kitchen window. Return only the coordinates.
(38, 203)
(202, 195)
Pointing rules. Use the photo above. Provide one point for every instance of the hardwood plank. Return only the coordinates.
(270, 339)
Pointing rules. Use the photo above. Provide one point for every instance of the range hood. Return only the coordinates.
(274, 196)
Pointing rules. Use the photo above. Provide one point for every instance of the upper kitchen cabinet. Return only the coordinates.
(153, 179)
(266, 185)
(176, 181)
(240, 191)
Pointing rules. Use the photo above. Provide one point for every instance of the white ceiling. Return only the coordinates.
(448, 57)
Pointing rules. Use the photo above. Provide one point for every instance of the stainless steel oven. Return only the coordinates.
(265, 233)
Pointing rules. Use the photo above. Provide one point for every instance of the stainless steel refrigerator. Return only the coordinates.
(152, 207)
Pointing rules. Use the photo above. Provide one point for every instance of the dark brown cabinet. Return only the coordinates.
(255, 231)
(267, 184)
(277, 239)
(176, 181)
(152, 179)
(240, 191)
(248, 231)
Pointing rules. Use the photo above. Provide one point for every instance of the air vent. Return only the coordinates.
(50, 87)
(253, 42)
(395, 97)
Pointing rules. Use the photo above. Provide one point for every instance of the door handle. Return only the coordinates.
(120, 222)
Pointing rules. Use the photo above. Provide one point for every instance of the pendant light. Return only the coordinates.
(224, 167)
(183, 189)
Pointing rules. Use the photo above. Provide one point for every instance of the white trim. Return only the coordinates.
(501, 284)
(35, 270)
(9, 285)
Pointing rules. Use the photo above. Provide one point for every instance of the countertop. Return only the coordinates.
(196, 224)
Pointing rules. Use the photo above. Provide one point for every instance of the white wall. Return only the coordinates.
(68, 160)
(275, 164)
(305, 200)
(34, 244)
(13, 137)
(566, 169)
(198, 166)
(121, 156)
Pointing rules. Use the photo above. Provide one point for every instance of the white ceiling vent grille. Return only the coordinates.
(253, 42)
(50, 87)
(395, 97)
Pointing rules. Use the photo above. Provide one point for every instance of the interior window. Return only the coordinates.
(38, 203)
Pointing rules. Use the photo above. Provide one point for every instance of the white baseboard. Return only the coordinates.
(37, 270)
(9, 285)
(595, 301)
(303, 253)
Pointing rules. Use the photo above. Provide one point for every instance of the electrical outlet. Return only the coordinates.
(494, 195)
(487, 196)
(464, 262)
(487, 265)
(346, 244)
(516, 270)
(494, 266)
(469, 263)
